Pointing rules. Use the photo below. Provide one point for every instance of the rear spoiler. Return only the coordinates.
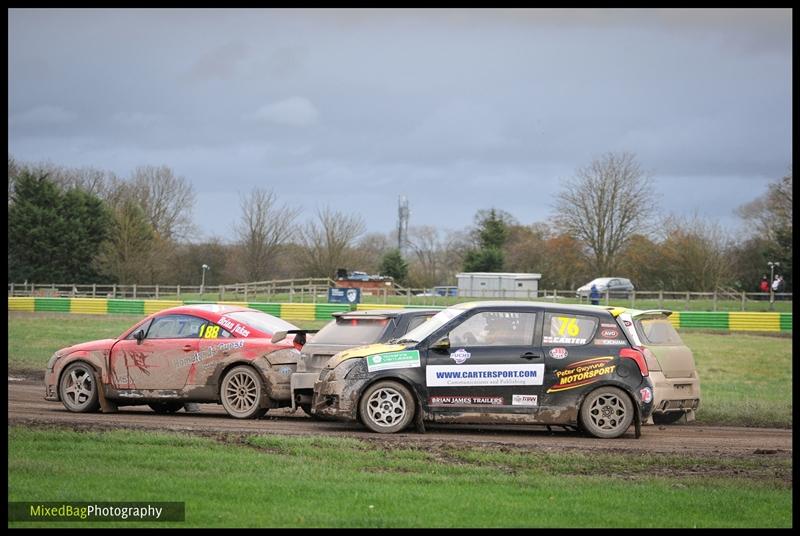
(300, 338)
(616, 311)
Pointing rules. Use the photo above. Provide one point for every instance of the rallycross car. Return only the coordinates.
(503, 362)
(195, 353)
(346, 330)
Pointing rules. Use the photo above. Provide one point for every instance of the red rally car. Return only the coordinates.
(195, 353)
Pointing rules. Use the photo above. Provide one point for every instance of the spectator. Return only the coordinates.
(594, 295)
(764, 285)
(776, 285)
(781, 283)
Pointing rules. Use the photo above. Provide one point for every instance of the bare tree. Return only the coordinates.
(695, 254)
(328, 241)
(167, 201)
(263, 228)
(428, 250)
(604, 204)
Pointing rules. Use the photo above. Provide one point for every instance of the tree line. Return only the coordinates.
(85, 225)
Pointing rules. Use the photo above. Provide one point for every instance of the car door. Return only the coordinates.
(160, 360)
(491, 365)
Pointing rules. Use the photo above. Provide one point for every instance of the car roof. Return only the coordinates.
(385, 313)
(541, 305)
(206, 310)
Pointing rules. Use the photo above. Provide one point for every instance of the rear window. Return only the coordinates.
(657, 331)
(353, 331)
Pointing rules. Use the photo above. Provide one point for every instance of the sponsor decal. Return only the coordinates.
(582, 373)
(460, 355)
(610, 342)
(208, 353)
(608, 333)
(547, 339)
(285, 371)
(393, 360)
(558, 353)
(646, 394)
(234, 327)
(524, 400)
(612, 326)
(465, 401)
(474, 375)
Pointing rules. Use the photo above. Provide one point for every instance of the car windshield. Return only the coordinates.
(599, 281)
(438, 320)
(351, 331)
(261, 321)
(658, 331)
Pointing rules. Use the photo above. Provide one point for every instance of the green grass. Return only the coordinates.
(694, 304)
(745, 380)
(274, 481)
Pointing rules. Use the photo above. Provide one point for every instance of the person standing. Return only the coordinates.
(764, 285)
(594, 295)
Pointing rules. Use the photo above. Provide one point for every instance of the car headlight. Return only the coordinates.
(53, 359)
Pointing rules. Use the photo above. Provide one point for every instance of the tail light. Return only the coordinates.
(637, 356)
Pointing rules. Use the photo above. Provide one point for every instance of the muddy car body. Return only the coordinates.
(487, 362)
(671, 364)
(196, 353)
(348, 330)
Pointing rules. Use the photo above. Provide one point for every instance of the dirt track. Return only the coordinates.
(26, 405)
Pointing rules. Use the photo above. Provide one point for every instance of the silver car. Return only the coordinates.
(617, 287)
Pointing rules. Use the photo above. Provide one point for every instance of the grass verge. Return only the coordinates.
(276, 481)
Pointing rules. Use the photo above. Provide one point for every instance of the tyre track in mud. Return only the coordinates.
(27, 407)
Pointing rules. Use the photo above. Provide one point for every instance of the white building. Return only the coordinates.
(498, 285)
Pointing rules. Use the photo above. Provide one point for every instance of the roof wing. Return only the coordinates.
(278, 336)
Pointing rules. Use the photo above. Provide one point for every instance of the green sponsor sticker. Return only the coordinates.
(393, 360)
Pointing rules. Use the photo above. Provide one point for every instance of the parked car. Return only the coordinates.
(503, 362)
(617, 287)
(194, 353)
(670, 361)
(346, 330)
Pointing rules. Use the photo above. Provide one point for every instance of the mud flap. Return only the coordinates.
(637, 422)
(418, 422)
(106, 406)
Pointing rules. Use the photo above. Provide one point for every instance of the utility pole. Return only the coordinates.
(402, 223)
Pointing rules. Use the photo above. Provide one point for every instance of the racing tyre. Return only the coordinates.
(241, 392)
(667, 418)
(386, 407)
(77, 388)
(164, 408)
(606, 412)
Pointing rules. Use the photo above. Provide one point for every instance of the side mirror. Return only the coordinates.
(442, 344)
(139, 336)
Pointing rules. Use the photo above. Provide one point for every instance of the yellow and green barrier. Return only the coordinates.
(724, 320)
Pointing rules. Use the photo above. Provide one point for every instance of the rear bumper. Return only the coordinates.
(301, 383)
(675, 394)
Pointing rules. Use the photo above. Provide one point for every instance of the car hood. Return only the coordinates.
(364, 351)
(91, 346)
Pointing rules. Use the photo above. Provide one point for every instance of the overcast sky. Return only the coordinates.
(458, 110)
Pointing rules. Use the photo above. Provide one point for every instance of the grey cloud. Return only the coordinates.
(294, 111)
(44, 115)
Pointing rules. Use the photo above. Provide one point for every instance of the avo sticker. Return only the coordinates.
(646, 394)
(558, 353)
(460, 355)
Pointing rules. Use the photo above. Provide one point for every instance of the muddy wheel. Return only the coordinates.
(606, 412)
(77, 388)
(386, 407)
(165, 407)
(241, 393)
(307, 409)
(667, 418)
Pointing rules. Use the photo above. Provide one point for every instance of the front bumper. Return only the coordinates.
(337, 399)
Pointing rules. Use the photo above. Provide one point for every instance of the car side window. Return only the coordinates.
(567, 329)
(495, 328)
(176, 327)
